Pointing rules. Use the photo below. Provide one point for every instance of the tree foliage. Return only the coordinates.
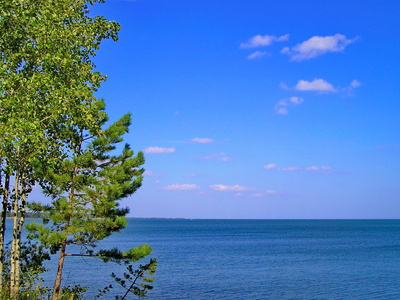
(48, 110)
(86, 189)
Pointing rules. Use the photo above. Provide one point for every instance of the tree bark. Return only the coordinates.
(57, 282)
(13, 291)
(19, 231)
(3, 223)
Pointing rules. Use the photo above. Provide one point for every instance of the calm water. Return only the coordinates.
(259, 259)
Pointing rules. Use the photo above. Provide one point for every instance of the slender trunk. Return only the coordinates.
(3, 223)
(19, 231)
(1, 227)
(13, 290)
(57, 282)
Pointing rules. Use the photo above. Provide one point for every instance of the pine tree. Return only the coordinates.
(86, 189)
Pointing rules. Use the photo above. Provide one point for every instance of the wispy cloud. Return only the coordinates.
(149, 173)
(257, 54)
(263, 40)
(202, 140)
(224, 158)
(270, 166)
(315, 168)
(283, 86)
(317, 85)
(181, 187)
(289, 169)
(220, 156)
(229, 188)
(292, 169)
(352, 86)
(355, 83)
(281, 106)
(282, 111)
(157, 150)
(264, 194)
(318, 45)
(296, 100)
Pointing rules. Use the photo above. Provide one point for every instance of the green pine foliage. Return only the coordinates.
(86, 190)
(87, 187)
(134, 281)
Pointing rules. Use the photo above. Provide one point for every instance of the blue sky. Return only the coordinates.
(259, 109)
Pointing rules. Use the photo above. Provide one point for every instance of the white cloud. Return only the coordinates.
(318, 45)
(270, 166)
(355, 83)
(156, 150)
(220, 156)
(263, 40)
(312, 168)
(281, 106)
(282, 111)
(350, 89)
(289, 169)
(285, 50)
(257, 54)
(283, 86)
(268, 192)
(202, 140)
(282, 102)
(148, 173)
(296, 100)
(224, 158)
(228, 188)
(315, 168)
(317, 85)
(181, 187)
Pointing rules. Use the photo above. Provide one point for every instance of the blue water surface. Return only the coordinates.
(256, 259)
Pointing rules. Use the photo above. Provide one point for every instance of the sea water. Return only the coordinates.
(255, 259)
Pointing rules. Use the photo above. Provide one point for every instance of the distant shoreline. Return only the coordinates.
(155, 218)
(137, 218)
